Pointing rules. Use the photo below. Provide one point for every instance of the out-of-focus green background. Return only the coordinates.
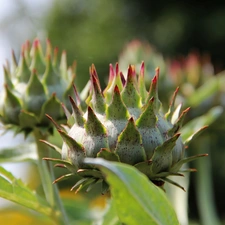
(96, 31)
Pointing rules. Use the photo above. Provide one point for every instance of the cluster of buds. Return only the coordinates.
(34, 86)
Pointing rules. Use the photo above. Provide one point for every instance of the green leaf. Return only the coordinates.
(15, 190)
(19, 153)
(198, 124)
(111, 217)
(136, 198)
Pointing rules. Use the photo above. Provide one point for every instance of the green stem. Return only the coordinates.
(47, 177)
(205, 196)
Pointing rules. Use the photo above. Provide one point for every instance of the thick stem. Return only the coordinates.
(47, 177)
(204, 185)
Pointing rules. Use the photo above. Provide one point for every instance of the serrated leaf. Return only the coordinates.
(15, 190)
(133, 192)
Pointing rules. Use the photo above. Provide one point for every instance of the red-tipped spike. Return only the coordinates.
(131, 75)
(93, 71)
(179, 122)
(66, 111)
(26, 50)
(174, 98)
(154, 89)
(77, 112)
(185, 111)
(122, 78)
(131, 71)
(156, 77)
(116, 89)
(154, 80)
(36, 43)
(117, 68)
(142, 70)
(176, 91)
(90, 110)
(95, 82)
(111, 72)
(78, 101)
(131, 120)
(53, 121)
(141, 84)
(60, 166)
(34, 71)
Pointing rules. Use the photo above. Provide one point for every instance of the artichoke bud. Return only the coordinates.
(124, 123)
(36, 85)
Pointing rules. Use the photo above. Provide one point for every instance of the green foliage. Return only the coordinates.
(34, 86)
(15, 190)
(136, 199)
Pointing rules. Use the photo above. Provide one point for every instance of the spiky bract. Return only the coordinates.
(124, 123)
(34, 86)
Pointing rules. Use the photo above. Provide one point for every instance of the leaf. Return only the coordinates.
(133, 192)
(198, 124)
(111, 217)
(15, 190)
(19, 153)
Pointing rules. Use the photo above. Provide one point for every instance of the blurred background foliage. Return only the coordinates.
(97, 32)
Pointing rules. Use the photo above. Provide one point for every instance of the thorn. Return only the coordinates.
(116, 90)
(60, 165)
(53, 121)
(117, 68)
(111, 72)
(122, 79)
(131, 120)
(142, 69)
